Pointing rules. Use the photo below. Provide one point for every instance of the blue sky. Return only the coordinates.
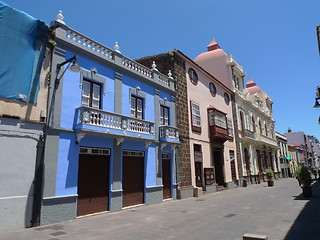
(274, 40)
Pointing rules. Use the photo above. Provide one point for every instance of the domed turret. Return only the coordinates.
(214, 61)
(214, 50)
(252, 87)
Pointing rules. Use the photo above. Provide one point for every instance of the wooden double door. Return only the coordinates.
(93, 184)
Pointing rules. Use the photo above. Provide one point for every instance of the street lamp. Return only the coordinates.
(73, 66)
(317, 98)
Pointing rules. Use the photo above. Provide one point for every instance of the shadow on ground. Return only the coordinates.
(307, 224)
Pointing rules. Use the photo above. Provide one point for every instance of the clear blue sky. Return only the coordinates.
(274, 40)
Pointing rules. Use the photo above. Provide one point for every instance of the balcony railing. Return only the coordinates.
(248, 133)
(99, 118)
(267, 140)
(168, 132)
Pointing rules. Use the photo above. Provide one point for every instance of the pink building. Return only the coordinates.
(252, 114)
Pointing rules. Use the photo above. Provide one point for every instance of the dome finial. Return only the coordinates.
(213, 45)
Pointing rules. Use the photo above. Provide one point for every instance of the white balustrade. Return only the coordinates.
(135, 66)
(95, 117)
(89, 43)
(168, 132)
(163, 79)
(85, 42)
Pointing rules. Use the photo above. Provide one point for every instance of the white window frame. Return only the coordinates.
(93, 97)
(164, 115)
(195, 111)
(220, 120)
(136, 108)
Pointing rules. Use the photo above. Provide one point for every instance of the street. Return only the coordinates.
(277, 212)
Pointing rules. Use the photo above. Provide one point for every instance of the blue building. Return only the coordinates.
(112, 130)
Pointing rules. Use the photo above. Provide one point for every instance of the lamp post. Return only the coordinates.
(317, 98)
(39, 168)
(73, 66)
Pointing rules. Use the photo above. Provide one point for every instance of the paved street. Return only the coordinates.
(229, 214)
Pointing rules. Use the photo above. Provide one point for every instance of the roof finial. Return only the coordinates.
(170, 74)
(60, 17)
(154, 66)
(116, 48)
(213, 45)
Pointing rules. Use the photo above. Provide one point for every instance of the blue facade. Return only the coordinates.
(110, 132)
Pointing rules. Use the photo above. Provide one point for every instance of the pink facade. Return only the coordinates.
(214, 61)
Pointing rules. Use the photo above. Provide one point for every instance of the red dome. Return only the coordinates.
(252, 87)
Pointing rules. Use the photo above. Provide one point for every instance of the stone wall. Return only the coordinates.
(172, 61)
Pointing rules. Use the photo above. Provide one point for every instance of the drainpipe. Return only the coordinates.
(176, 173)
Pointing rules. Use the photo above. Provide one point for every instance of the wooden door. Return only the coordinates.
(218, 167)
(166, 178)
(198, 173)
(259, 165)
(132, 181)
(93, 184)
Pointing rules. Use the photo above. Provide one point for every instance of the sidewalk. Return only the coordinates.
(277, 212)
(307, 224)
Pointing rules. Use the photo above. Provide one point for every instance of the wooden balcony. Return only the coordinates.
(219, 134)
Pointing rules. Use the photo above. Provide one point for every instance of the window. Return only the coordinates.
(226, 98)
(196, 119)
(136, 107)
(131, 153)
(220, 120)
(91, 93)
(213, 89)
(99, 151)
(253, 125)
(193, 76)
(230, 128)
(260, 127)
(266, 129)
(164, 115)
(242, 122)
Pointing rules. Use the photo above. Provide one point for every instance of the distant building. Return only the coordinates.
(313, 151)
(23, 102)
(298, 140)
(283, 155)
(293, 159)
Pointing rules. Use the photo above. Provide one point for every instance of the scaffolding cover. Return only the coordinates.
(22, 49)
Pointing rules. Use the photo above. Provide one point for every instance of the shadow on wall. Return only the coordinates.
(34, 201)
(73, 163)
(29, 207)
(306, 225)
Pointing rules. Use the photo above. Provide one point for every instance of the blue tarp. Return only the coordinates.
(22, 49)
